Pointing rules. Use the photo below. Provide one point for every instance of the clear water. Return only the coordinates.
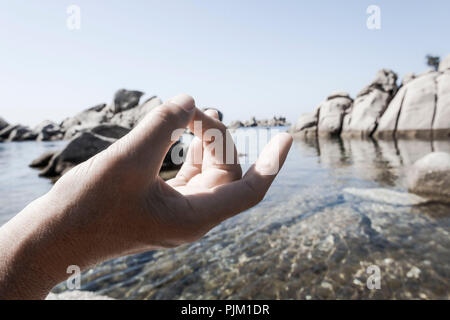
(336, 208)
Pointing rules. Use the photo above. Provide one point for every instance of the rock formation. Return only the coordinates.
(420, 108)
(274, 122)
(430, 176)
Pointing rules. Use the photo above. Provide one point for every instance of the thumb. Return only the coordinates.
(147, 144)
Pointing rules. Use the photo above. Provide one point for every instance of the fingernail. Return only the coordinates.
(184, 101)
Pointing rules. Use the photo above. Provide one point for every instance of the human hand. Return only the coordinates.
(116, 204)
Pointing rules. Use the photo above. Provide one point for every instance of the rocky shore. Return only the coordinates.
(418, 108)
(274, 122)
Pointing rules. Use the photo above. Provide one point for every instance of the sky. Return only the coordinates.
(247, 58)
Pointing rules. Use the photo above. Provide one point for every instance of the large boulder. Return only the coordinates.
(331, 114)
(107, 130)
(48, 131)
(90, 117)
(306, 123)
(125, 100)
(82, 147)
(5, 132)
(441, 123)
(430, 176)
(370, 104)
(131, 117)
(418, 107)
(21, 133)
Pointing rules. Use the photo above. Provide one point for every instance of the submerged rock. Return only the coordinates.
(77, 295)
(387, 196)
(430, 176)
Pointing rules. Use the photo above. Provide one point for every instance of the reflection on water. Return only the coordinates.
(337, 207)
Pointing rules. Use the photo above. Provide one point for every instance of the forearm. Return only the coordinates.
(35, 252)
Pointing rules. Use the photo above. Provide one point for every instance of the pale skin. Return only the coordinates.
(115, 203)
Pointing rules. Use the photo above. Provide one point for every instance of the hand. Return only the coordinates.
(116, 204)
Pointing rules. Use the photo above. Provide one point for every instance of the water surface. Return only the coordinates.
(336, 208)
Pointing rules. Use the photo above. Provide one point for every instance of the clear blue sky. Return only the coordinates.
(245, 57)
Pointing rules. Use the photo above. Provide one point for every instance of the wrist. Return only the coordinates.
(36, 252)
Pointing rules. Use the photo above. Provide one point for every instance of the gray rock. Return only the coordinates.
(82, 147)
(89, 117)
(387, 125)
(43, 160)
(125, 100)
(107, 130)
(5, 132)
(21, 133)
(305, 121)
(445, 64)
(370, 104)
(3, 124)
(235, 124)
(418, 107)
(441, 123)
(130, 118)
(338, 94)
(331, 114)
(48, 131)
(430, 176)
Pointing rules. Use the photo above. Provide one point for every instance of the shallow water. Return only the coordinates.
(336, 208)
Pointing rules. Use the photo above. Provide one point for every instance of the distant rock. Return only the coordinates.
(305, 121)
(82, 147)
(370, 105)
(5, 132)
(125, 100)
(430, 176)
(48, 131)
(3, 124)
(21, 133)
(331, 115)
(408, 78)
(253, 122)
(90, 117)
(43, 160)
(107, 130)
(131, 117)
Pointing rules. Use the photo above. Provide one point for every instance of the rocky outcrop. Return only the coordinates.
(92, 116)
(81, 148)
(21, 133)
(125, 100)
(420, 108)
(48, 131)
(253, 122)
(131, 117)
(430, 176)
(331, 114)
(370, 104)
